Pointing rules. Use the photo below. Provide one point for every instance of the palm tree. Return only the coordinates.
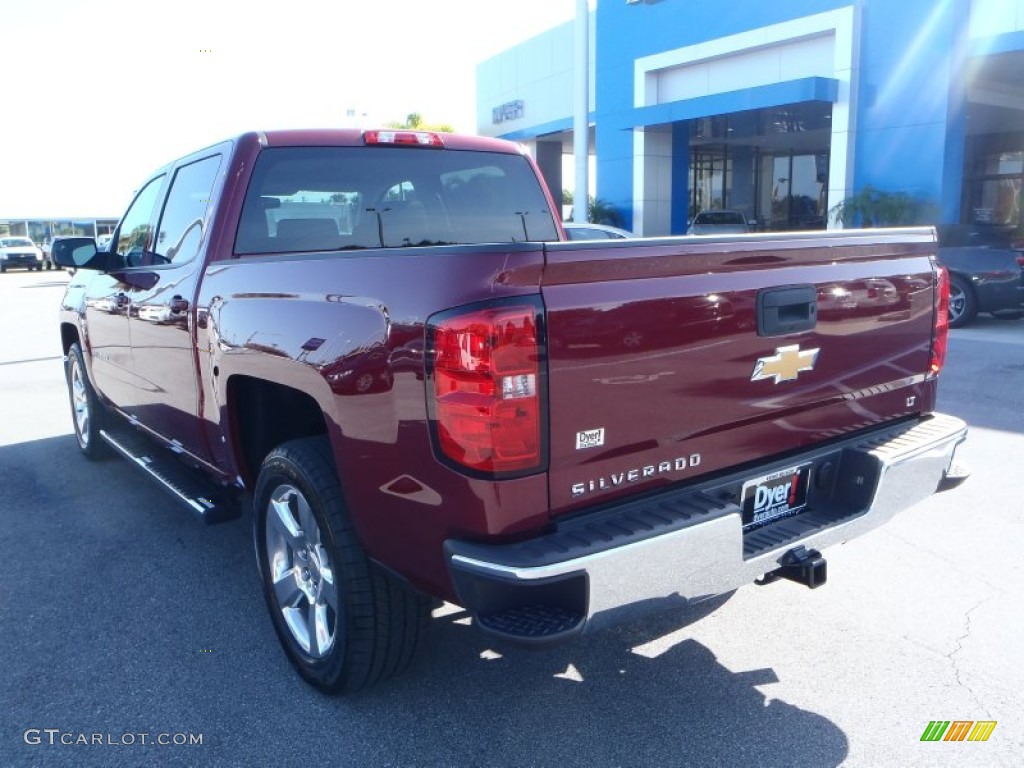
(414, 121)
(598, 211)
(874, 208)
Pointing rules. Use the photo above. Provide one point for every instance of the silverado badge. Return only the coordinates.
(785, 365)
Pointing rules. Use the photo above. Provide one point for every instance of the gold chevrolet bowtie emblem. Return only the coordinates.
(785, 365)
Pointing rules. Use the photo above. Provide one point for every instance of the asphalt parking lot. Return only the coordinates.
(122, 616)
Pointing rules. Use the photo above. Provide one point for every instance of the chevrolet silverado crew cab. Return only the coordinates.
(382, 343)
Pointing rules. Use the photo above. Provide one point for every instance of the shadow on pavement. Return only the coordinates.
(599, 702)
(121, 614)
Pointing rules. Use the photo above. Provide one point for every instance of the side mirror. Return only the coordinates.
(73, 252)
(78, 253)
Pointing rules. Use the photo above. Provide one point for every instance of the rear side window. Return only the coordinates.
(354, 198)
(184, 215)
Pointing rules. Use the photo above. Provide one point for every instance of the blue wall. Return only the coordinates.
(911, 115)
(910, 118)
(627, 32)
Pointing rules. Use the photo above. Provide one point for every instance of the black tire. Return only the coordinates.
(306, 545)
(963, 305)
(87, 412)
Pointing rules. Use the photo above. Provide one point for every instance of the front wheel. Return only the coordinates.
(344, 622)
(86, 409)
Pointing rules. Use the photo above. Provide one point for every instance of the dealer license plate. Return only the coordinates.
(775, 496)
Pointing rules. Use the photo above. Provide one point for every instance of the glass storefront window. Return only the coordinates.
(994, 180)
(771, 165)
(794, 190)
(710, 182)
(995, 201)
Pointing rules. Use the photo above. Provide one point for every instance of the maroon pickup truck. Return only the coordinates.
(381, 341)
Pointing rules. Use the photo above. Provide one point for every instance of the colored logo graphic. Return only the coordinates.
(958, 730)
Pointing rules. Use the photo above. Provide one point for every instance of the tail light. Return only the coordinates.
(486, 387)
(940, 331)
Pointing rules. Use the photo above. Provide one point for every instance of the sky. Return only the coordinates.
(99, 93)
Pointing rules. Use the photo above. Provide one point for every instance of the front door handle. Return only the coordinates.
(179, 305)
(121, 300)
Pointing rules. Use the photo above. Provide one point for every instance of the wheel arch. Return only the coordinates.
(264, 414)
(68, 335)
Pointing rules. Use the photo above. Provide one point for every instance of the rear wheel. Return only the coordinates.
(87, 411)
(962, 305)
(344, 622)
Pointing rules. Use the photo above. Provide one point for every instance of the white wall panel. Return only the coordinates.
(811, 57)
(996, 17)
(538, 73)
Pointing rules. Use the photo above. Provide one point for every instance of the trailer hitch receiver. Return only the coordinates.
(802, 565)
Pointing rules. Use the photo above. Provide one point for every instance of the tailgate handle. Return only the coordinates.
(786, 310)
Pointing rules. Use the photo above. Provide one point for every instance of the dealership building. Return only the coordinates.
(779, 110)
(42, 230)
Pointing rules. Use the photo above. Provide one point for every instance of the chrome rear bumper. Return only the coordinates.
(689, 543)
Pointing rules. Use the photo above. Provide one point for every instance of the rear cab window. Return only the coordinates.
(357, 198)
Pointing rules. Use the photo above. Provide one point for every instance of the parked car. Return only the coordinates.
(575, 231)
(986, 274)
(718, 223)
(18, 251)
(47, 248)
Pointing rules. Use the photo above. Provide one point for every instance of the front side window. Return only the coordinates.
(181, 224)
(135, 234)
(353, 198)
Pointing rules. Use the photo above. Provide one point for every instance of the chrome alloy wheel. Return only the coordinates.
(300, 572)
(80, 401)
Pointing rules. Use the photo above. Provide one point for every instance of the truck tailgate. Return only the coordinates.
(672, 359)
